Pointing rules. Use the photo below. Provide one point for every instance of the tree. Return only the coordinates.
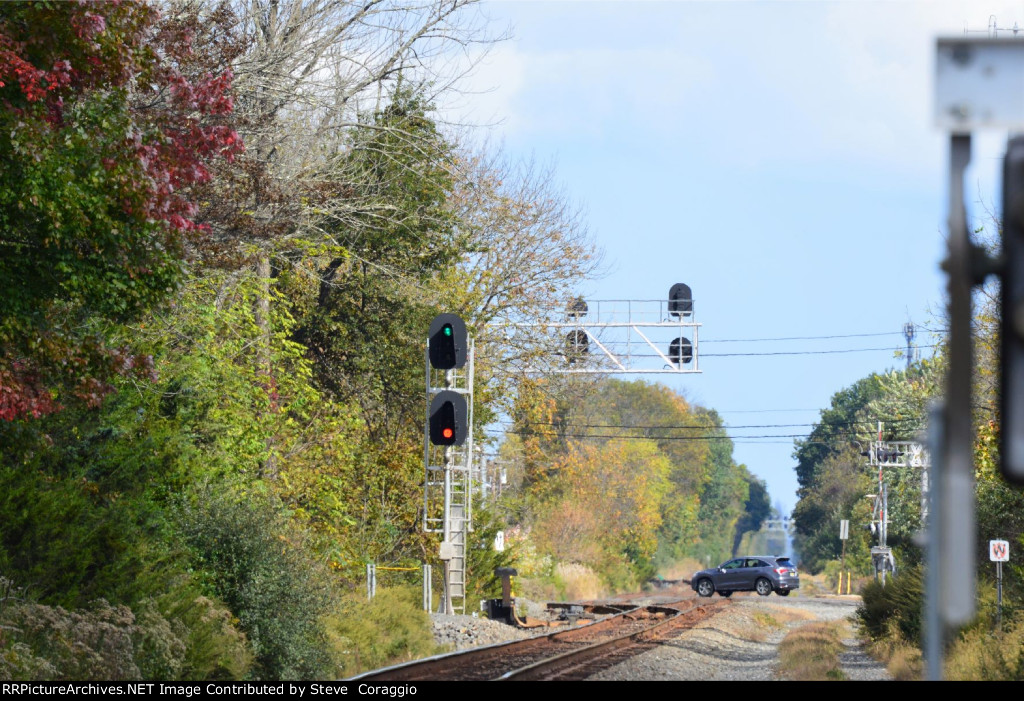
(655, 412)
(836, 429)
(756, 509)
(837, 493)
(101, 136)
(607, 510)
(701, 492)
(307, 74)
(526, 251)
(365, 324)
(723, 498)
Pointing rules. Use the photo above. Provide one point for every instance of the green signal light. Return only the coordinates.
(447, 330)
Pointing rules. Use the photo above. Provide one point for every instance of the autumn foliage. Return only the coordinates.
(102, 136)
(607, 512)
(626, 478)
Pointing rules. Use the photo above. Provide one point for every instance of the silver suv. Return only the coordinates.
(761, 573)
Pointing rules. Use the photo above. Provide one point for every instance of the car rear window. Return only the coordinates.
(784, 562)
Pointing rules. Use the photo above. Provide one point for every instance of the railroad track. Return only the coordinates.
(569, 654)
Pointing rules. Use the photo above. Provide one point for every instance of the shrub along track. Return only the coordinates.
(568, 654)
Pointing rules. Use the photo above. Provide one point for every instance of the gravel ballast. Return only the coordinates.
(736, 646)
(459, 632)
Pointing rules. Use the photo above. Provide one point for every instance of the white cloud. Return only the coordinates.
(811, 84)
(591, 91)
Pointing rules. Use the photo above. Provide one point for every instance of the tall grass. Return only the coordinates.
(811, 653)
(985, 655)
(891, 615)
(897, 603)
(901, 658)
(578, 582)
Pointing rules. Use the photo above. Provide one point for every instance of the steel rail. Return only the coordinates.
(563, 666)
(486, 663)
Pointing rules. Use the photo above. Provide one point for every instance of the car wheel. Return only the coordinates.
(705, 587)
(783, 592)
(725, 593)
(763, 586)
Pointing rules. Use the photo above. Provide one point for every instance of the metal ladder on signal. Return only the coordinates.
(459, 526)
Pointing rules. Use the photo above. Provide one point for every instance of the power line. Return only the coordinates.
(818, 352)
(580, 436)
(801, 338)
(891, 349)
(762, 411)
(646, 427)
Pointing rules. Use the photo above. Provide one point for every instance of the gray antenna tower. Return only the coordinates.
(908, 333)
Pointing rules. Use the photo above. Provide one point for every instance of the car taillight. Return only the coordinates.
(781, 570)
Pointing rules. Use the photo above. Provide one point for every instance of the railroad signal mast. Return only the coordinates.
(895, 454)
(604, 337)
(448, 450)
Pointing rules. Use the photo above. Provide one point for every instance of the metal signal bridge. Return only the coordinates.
(617, 336)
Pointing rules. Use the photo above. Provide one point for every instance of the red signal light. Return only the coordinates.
(446, 423)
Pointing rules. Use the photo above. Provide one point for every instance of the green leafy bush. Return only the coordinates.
(899, 601)
(213, 649)
(257, 564)
(69, 542)
(390, 629)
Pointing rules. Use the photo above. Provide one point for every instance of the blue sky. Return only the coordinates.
(778, 157)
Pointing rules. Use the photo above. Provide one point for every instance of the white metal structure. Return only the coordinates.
(882, 454)
(615, 336)
(447, 502)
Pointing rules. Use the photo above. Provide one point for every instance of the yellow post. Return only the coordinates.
(848, 584)
(839, 589)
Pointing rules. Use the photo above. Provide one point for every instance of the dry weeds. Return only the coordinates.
(984, 655)
(811, 653)
(578, 582)
(902, 659)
